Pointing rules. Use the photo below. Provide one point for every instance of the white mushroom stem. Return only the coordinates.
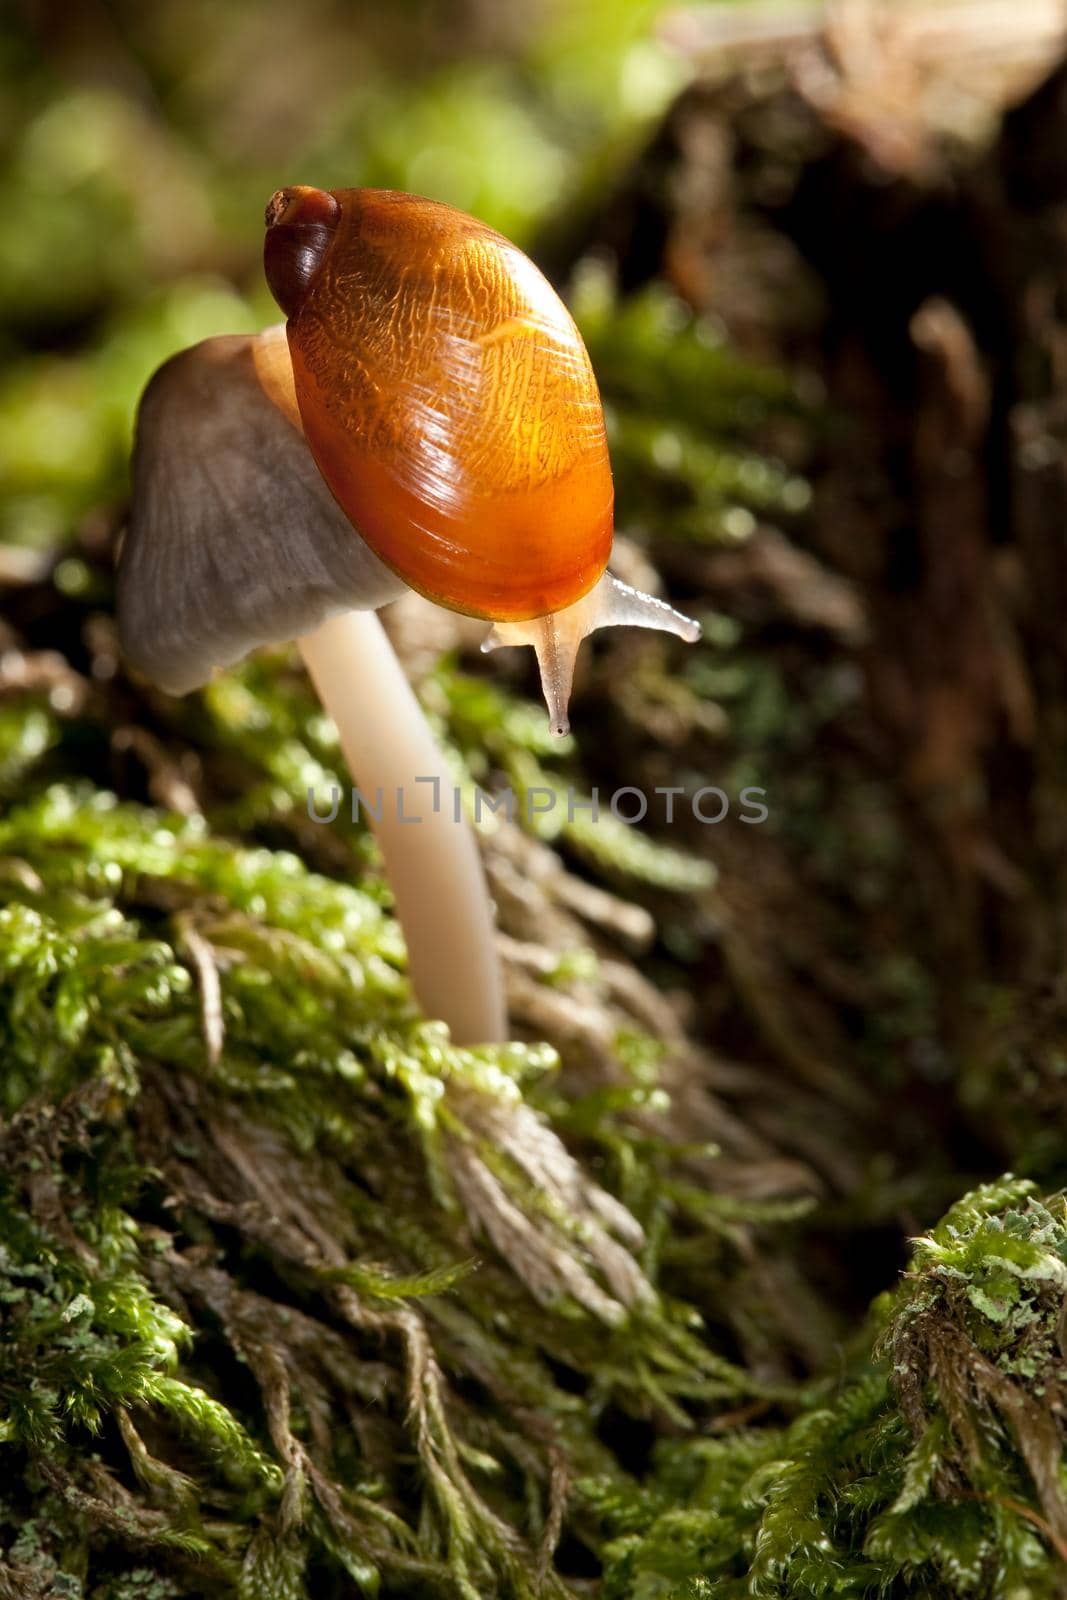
(432, 861)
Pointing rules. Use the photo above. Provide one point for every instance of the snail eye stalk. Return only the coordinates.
(555, 638)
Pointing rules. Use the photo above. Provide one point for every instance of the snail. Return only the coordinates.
(450, 404)
(427, 419)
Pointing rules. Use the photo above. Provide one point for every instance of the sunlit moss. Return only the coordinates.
(909, 1478)
(100, 992)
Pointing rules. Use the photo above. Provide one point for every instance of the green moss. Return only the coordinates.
(936, 1472)
(151, 1208)
(684, 414)
(297, 1299)
(147, 1175)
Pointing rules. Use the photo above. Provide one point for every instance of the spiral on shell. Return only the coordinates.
(300, 223)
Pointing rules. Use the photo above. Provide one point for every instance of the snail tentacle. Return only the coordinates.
(555, 638)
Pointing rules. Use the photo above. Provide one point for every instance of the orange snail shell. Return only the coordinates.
(447, 398)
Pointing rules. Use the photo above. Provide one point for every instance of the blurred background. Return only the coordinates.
(141, 142)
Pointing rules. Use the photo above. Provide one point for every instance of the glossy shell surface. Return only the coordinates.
(450, 404)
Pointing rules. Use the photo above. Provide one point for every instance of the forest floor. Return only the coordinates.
(300, 1299)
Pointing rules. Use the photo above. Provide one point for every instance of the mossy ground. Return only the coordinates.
(296, 1298)
(300, 1299)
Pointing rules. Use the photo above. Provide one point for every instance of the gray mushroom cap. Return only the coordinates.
(233, 541)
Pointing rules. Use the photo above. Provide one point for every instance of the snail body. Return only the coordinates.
(447, 398)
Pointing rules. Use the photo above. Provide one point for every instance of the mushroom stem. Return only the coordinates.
(432, 861)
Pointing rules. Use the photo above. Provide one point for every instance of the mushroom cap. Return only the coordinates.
(233, 540)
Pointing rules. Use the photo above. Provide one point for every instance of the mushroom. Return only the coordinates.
(431, 391)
